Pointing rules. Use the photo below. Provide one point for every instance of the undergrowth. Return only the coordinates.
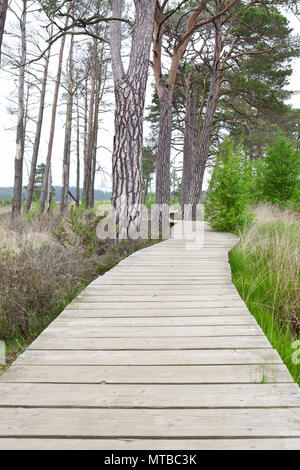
(44, 267)
(266, 272)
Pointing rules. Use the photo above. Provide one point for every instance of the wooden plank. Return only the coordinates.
(86, 321)
(90, 296)
(214, 423)
(129, 305)
(250, 374)
(149, 396)
(202, 357)
(172, 276)
(76, 311)
(154, 332)
(168, 290)
(120, 344)
(166, 269)
(152, 444)
(204, 281)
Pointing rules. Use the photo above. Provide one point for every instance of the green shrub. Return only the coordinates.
(79, 228)
(229, 194)
(282, 171)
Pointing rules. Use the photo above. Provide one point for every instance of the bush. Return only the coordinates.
(229, 194)
(282, 171)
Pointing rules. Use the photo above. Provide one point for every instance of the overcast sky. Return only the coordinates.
(8, 123)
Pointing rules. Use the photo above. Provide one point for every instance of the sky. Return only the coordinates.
(106, 133)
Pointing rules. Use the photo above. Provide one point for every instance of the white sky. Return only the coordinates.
(8, 123)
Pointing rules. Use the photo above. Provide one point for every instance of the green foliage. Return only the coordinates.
(258, 175)
(229, 194)
(175, 186)
(266, 273)
(38, 182)
(148, 169)
(282, 171)
(7, 202)
(79, 228)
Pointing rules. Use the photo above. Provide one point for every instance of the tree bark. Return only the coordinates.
(202, 148)
(189, 139)
(90, 128)
(165, 89)
(85, 132)
(68, 135)
(37, 140)
(78, 155)
(53, 120)
(3, 10)
(20, 138)
(163, 163)
(130, 91)
(49, 190)
(91, 200)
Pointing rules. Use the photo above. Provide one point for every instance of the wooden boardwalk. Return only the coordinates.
(159, 353)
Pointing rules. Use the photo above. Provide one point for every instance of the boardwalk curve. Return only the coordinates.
(159, 353)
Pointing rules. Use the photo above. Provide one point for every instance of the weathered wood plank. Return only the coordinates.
(149, 396)
(168, 290)
(103, 312)
(90, 296)
(152, 444)
(158, 321)
(203, 281)
(183, 305)
(250, 374)
(202, 357)
(214, 423)
(119, 344)
(151, 331)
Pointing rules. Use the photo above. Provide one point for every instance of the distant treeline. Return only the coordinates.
(7, 193)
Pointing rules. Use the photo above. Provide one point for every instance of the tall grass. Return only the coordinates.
(266, 271)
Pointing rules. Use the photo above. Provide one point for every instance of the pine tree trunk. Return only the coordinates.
(202, 148)
(3, 10)
(130, 92)
(53, 121)
(78, 156)
(37, 140)
(49, 191)
(163, 182)
(90, 127)
(146, 192)
(189, 140)
(20, 139)
(94, 148)
(85, 135)
(68, 135)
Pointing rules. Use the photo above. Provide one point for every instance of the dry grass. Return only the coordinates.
(17, 234)
(40, 274)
